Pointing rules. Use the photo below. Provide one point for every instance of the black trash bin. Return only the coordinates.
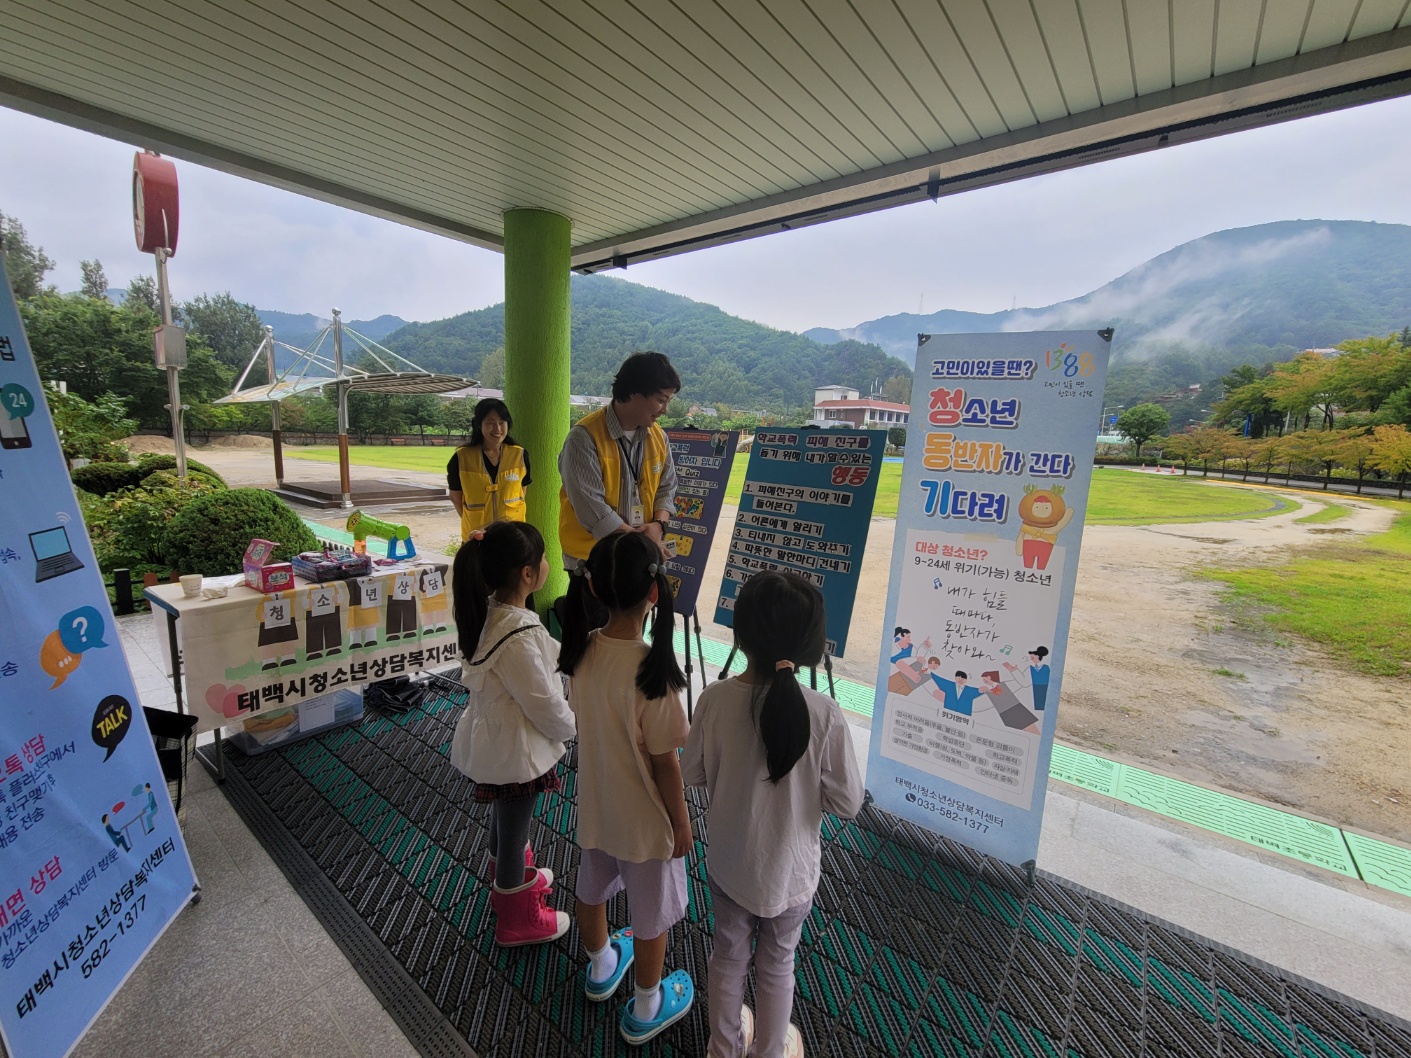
(174, 735)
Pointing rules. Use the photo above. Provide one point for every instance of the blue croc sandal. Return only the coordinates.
(677, 992)
(598, 991)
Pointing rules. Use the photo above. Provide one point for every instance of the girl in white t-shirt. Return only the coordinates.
(512, 733)
(774, 756)
(632, 825)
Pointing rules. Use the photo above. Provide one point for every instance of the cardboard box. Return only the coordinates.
(261, 571)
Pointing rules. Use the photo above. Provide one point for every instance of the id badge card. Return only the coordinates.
(638, 516)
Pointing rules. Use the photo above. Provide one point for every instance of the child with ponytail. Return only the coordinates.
(632, 825)
(512, 733)
(774, 756)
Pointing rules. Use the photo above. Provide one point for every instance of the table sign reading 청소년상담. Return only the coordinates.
(703, 460)
(92, 864)
(993, 496)
(806, 508)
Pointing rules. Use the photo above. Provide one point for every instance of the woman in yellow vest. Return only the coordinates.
(487, 477)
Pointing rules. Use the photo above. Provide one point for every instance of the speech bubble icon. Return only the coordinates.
(82, 629)
(56, 659)
(16, 401)
(111, 721)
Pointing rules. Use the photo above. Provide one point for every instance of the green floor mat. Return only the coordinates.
(1381, 863)
(915, 946)
(1268, 828)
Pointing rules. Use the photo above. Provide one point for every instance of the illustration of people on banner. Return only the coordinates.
(988, 531)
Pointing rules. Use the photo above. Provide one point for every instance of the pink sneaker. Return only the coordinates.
(522, 914)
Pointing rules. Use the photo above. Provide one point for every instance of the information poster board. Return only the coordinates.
(703, 460)
(805, 509)
(993, 497)
(92, 864)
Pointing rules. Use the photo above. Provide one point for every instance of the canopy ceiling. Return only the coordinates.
(658, 126)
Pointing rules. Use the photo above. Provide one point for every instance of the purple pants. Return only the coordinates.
(773, 969)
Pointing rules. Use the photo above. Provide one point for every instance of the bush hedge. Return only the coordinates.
(128, 528)
(167, 479)
(151, 462)
(103, 479)
(210, 534)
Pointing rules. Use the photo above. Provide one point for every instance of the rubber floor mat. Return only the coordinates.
(915, 946)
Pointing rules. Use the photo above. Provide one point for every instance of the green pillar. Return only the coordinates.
(536, 365)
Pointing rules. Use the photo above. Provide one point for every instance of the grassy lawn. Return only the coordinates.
(1122, 498)
(1331, 513)
(387, 457)
(1350, 597)
(1118, 497)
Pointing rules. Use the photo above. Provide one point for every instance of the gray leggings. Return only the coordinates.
(509, 833)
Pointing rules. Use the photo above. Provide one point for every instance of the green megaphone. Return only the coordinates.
(398, 537)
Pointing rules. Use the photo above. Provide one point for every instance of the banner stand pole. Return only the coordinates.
(729, 660)
(700, 648)
(686, 622)
(828, 668)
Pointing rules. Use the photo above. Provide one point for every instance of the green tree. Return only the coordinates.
(95, 280)
(231, 328)
(1368, 371)
(1391, 454)
(492, 369)
(89, 429)
(897, 390)
(423, 410)
(1143, 422)
(25, 263)
(97, 347)
(457, 415)
(142, 294)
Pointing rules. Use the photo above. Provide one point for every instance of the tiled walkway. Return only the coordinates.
(249, 971)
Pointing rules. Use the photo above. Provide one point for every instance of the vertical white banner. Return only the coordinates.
(994, 491)
(92, 864)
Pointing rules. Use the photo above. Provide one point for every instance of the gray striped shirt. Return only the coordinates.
(583, 479)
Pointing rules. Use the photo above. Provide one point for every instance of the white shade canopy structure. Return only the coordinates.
(662, 127)
(319, 369)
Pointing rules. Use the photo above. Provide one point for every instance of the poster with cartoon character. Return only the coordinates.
(994, 489)
(92, 860)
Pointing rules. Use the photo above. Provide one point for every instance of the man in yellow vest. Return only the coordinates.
(616, 465)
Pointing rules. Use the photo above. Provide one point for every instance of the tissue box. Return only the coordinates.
(264, 574)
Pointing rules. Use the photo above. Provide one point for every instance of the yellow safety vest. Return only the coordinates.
(484, 501)
(575, 540)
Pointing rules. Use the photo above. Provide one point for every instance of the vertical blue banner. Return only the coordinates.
(703, 460)
(92, 864)
(999, 457)
(805, 509)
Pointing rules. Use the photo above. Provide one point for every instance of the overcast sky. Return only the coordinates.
(1030, 243)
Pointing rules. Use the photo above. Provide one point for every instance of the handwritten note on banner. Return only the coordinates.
(994, 491)
(806, 508)
(92, 864)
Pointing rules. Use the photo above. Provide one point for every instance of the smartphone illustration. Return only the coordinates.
(13, 431)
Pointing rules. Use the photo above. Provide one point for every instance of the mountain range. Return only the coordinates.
(1276, 288)
(722, 359)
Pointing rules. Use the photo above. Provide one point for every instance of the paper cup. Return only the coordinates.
(191, 584)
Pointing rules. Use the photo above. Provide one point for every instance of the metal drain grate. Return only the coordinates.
(916, 946)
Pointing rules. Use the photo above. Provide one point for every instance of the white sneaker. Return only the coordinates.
(747, 1028)
(793, 1042)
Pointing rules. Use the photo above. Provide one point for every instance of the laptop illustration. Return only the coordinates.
(53, 553)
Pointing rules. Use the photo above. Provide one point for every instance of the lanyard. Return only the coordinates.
(636, 467)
